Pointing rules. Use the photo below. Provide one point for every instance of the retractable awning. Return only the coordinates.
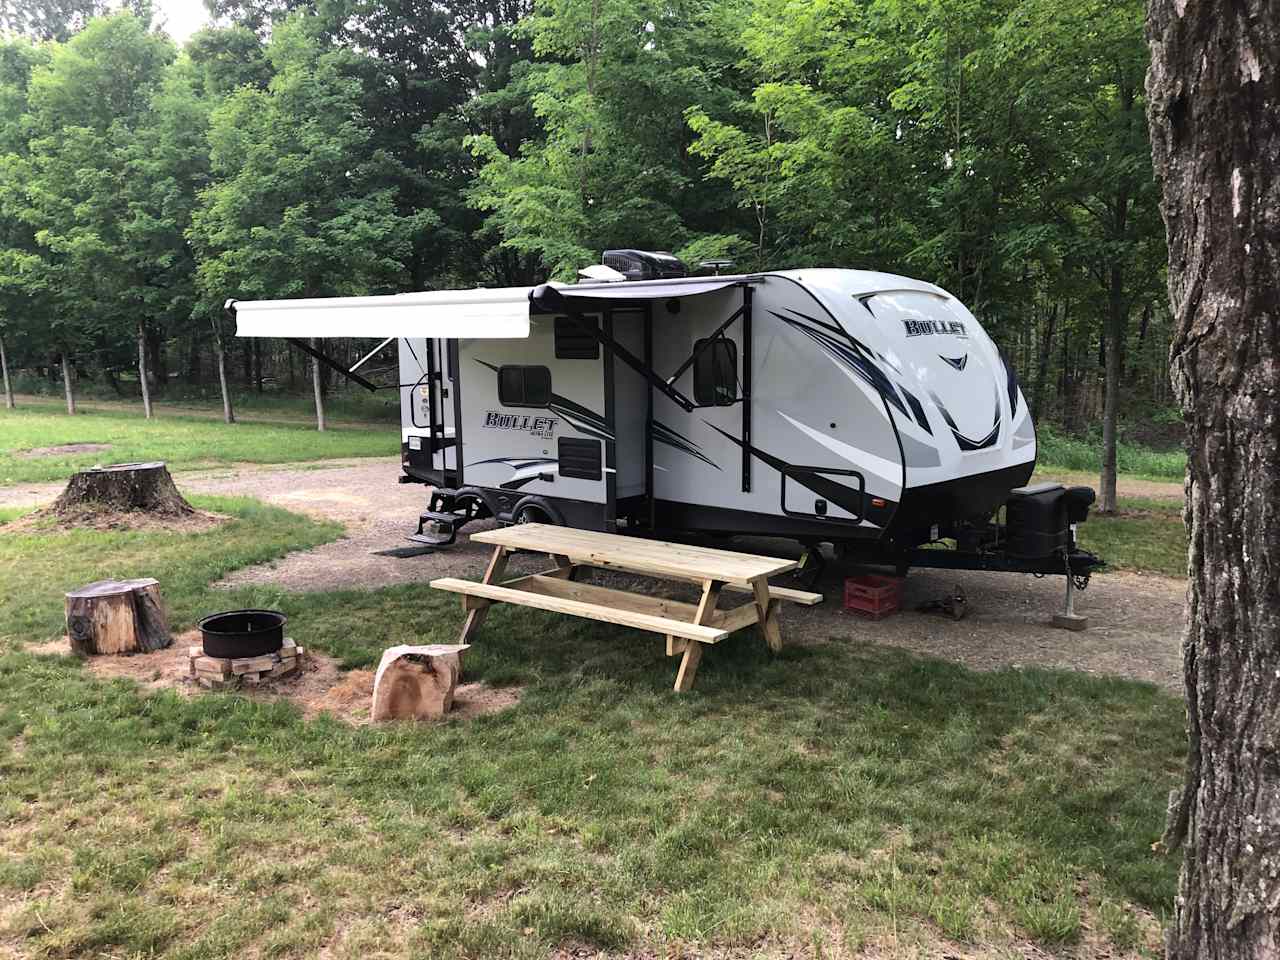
(482, 314)
(552, 298)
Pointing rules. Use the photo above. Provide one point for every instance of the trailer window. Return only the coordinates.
(524, 386)
(573, 341)
(715, 373)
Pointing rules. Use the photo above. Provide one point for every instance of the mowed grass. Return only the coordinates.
(183, 442)
(834, 798)
(1062, 452)
(1145, 535)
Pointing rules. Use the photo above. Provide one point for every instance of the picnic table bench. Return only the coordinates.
(686, 626)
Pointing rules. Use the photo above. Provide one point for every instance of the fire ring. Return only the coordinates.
(243, 633)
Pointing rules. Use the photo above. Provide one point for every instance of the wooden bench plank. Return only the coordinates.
(803, 597)
(637, 554)
(605, 596)
(578, 608)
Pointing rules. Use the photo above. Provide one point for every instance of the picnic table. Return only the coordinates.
(686, 626)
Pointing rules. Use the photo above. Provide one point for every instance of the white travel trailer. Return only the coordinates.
(861, 409)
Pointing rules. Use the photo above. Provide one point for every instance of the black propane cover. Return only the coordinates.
(1036, 521)
(1079, 500)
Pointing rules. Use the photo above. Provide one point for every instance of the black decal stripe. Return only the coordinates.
(918, 409)
(665, 435)
(856, 357)
(966, 443)
(845, 497)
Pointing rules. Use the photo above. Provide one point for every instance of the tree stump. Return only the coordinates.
(124, 487)
(117, 616)
(417, 682)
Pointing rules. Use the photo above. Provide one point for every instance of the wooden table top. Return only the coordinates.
(654, 557)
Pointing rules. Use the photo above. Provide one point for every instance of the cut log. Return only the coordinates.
(416, 682)
(117, 616)
(124, 487)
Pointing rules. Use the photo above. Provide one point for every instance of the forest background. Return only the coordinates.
(339, 147)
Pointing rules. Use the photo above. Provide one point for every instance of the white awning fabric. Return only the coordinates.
(481, 314)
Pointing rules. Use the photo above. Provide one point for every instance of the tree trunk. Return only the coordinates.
(1042, 363)
(4, 368)
(416, 682)
(1117, 317)
(66, 386)
(142, 371)
(1215, 134)
(117, 616)
(220, 357)
(257, 364)
(318, 387)
(126, 487)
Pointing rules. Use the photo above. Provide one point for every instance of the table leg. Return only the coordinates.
(767, 609)
(692, 648)
(478, 608)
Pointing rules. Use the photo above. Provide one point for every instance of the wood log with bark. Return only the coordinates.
(1214, 104)
(124, 487)
(117, 616)
(417, 682)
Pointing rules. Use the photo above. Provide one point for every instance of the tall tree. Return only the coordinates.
(613, 169)
(303, 203)
(1213, 89)
(87, 109)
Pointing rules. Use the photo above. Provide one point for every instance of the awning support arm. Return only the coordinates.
(331, 363)
(634, 362)
(706, 342)
(370, 355)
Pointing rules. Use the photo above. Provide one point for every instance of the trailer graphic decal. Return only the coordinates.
(544, 427)
(527, 469)
(852, 355)
(846, 498)
(575, 414)
(963, 442)
(665, 435)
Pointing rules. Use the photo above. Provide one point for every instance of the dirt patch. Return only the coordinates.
(35, 452)
(321, 686)
(89, 518)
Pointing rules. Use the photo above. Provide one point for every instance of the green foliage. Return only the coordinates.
(1056, 450)
(301, 205)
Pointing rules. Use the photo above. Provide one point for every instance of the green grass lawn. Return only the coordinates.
(836, 796)
(1060, 452)
(183, 442)
(1144, 535)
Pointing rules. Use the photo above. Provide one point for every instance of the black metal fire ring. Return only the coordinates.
(243, 633)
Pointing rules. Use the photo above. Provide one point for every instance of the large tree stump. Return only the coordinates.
(117, 616)
(416, 682)
(124, 487)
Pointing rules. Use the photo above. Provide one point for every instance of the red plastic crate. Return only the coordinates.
(872, 595)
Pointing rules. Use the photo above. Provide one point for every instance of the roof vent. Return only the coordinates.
(600, 273)
(645, 264)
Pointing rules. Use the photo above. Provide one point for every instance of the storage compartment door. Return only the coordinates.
(832, 493)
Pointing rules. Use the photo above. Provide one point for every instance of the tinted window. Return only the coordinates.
(524, 386)
(715, 373)
(573, 339)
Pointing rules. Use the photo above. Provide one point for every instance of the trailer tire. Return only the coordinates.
(535, 510)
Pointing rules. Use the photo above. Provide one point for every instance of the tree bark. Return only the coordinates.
(4, 368)
(66, 386)
(142, 371)
(318, 387)
(117, 616)
(1117, 321)
(1042, 364)
(1214, 106)
(257, 364)
(125, 487)
(220, 358)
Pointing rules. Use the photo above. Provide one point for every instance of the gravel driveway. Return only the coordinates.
(1135, 620)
